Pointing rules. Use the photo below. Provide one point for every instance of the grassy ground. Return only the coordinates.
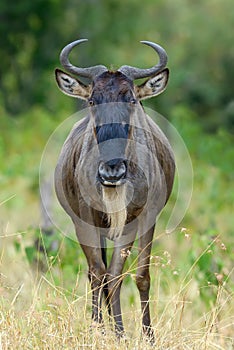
(51, 310)
(45, 298)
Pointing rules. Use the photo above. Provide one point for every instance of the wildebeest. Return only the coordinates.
(115, 174)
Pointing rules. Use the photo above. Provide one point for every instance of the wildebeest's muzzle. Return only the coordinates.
(112, 139)
(112, 131)
(112, 172)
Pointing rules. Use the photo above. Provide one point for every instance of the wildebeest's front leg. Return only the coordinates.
(143, 279)
(97, 272)
(115, 278)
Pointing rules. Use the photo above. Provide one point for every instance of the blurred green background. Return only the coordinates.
(198, 37)
(199, 102)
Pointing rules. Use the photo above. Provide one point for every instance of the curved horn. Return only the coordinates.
(90, 72)
(137, 73)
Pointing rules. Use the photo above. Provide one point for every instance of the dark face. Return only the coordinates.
(112, 101)
(112, 87)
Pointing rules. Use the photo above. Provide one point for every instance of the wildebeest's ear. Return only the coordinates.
(153, 86)
(71, 86)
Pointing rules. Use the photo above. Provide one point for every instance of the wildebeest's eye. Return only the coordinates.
(133, 101)
(91, 103)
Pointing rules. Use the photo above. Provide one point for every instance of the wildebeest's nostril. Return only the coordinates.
(112, 171)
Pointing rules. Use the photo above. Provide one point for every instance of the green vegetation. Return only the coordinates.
(44, 293)
(197, 36)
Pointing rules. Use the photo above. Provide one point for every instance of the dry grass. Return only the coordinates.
(37, 314)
